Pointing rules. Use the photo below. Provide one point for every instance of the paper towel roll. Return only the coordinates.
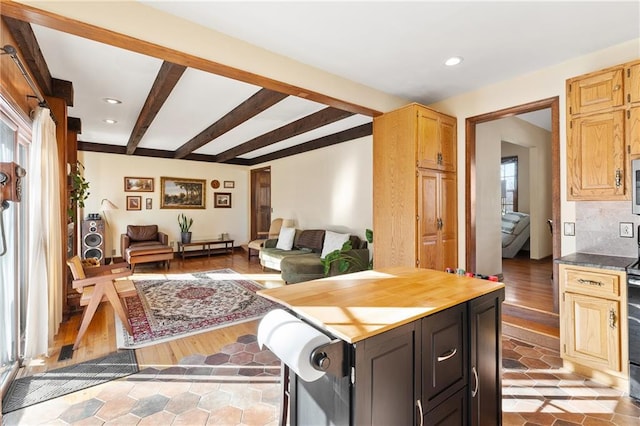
(292, 340)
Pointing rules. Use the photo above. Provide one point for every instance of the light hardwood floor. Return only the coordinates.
(100, 338)
(528, 282)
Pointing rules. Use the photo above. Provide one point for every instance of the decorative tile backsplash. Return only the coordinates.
(598, 228)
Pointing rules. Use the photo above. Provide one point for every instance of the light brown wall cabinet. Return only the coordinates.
(593, 318)
(602, 132)
(414, 189)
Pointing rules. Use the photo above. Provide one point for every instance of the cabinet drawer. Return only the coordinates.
(591, 282)
(444, 354)
(452, 412)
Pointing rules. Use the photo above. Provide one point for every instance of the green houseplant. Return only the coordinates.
(185, 224)
(345, 261)
(78, 190)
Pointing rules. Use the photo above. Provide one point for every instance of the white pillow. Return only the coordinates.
(285, 238)
(333, 241)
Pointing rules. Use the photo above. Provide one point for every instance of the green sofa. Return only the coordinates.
(302, 262)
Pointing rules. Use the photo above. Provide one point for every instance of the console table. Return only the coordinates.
(206, 245)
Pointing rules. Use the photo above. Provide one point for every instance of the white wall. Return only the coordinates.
(106, 172)
(532, 145)
(547, 83)
(328, 188)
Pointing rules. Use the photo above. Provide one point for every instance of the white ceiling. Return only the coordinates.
(395, 47)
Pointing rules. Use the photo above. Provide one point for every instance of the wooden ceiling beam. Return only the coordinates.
(303, 125)
(260, 101)
(165, 81)
(30, 49)
(336, 138)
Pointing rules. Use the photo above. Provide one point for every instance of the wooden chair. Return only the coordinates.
(274, 231)
(98, 284)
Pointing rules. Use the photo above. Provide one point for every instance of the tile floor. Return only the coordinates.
(240, 386)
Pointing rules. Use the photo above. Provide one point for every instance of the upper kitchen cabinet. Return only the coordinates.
(603, 132)
(632, 87)
(409, 144)
(595, 157)
(597, 91)
(436, 140)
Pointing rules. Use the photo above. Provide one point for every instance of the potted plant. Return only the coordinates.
(343, 261)
(185, 224)
(78, 190)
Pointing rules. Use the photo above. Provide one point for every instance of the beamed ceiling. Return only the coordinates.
(176, 105)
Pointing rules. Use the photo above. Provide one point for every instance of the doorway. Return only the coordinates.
(473, 200)
(260, 201)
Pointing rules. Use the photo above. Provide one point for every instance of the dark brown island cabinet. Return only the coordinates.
(442, 368)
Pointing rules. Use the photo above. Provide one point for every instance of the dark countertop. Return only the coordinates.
(617, 263)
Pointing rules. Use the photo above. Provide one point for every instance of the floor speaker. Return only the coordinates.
(93, 239)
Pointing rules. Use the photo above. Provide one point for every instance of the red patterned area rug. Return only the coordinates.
(181, 305)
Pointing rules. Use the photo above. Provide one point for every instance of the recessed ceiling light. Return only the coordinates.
(112, 101)
(454, 60)
(109, 121)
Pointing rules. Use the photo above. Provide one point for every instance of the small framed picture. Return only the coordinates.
(149, 203)
(229, 184)
(138, 184)
(222, 199)
(134, 202)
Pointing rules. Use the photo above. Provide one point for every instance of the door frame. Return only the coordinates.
(254, 207)
(470, 178)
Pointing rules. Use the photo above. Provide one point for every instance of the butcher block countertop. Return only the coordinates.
(357, 306)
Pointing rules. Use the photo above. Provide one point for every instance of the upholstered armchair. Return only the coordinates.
(256, 245)
(144, 243)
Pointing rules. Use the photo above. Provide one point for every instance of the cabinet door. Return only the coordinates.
(632, 130)
(436, 140)
(449, 216)
(444, 355)
(632, 82)
(595, 158)
(447, 136)
(429, 253)
(428, 155)
(592, 331)
(485, 381)
(596, 92)
(386, 380)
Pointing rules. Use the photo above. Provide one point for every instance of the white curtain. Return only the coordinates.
(45, 287)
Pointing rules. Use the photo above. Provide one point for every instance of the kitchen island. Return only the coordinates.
(417, 347)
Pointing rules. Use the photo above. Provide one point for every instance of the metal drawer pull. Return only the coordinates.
(448, 355)
(618, 178)
(612, 318)
(419, 404)
(591, 282)
(474, 392)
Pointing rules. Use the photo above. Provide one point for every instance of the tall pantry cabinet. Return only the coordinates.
(414, 189)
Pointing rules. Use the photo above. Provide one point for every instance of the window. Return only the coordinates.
(509, 184)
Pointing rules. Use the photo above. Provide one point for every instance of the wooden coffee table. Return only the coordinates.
(206, 245)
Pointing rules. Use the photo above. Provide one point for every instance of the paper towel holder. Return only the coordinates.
(330, 358)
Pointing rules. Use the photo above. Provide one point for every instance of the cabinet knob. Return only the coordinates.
(616, 87)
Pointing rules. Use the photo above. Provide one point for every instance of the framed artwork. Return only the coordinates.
(229, 184)
(222, 199)
(134, 202)
(149, 202)
(138, 184)
(182, 193)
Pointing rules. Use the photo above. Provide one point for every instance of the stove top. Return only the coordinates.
(634, 268)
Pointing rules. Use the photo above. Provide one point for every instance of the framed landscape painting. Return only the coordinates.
(182, 193)
(138, 184)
